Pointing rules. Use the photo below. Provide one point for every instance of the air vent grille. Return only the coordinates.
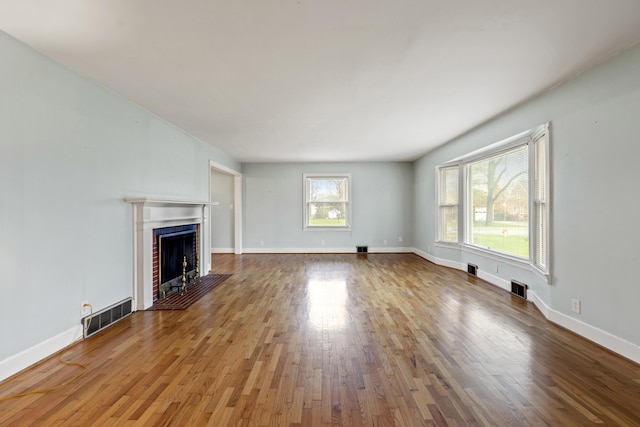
(519, 289)
(472, 269)
(106, 317)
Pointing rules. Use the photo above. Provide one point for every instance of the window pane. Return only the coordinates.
(449, 186)
(328, 190)
(448, 195)
(449, 223)
(327, 214)
(499, 202)
(541, 236)
(327, 201)
(540, 183)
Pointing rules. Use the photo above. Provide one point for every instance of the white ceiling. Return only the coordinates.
(326, 80)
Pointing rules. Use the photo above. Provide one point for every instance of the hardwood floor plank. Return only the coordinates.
(337, 339)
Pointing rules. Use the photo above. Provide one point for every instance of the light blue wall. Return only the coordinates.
(70, 151)
(595, 128)
(382, 206)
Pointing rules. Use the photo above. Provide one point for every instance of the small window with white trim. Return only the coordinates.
(327, 204)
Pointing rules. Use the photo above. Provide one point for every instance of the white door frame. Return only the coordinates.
(237, 202)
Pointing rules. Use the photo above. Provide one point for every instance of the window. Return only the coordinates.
(327, 201)
(448, 205)
(498, 186)
(540, 202)
(503, 198)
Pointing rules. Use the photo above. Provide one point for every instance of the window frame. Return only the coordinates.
(539, 240)
(442, 203)
(541, 138)
(306, 179)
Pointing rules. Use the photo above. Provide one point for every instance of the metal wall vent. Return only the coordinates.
(362, 249)
(106, 317)
(472, 269)
(519, 289)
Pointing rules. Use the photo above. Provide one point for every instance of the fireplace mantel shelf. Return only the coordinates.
(168, 202)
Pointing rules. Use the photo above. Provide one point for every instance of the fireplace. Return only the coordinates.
(176, 216)
(174, 249)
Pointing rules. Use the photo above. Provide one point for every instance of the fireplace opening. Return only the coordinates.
(175, 247)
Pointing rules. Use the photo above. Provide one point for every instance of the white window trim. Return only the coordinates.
(546, 271)
(440, 205)
(305, 202)
(525, 138)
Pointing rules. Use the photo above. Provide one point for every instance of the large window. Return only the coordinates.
(497, 199)
(499, 202)
(327, 201)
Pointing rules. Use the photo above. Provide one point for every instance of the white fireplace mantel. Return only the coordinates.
(149, 214)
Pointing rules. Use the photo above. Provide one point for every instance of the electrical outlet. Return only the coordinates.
(261, 243)
(85, 308)
(322, 242)
(399, 239)
(575, 305)
(495, 267)
(384, 242)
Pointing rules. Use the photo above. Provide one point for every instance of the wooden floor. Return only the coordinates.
(310, 340)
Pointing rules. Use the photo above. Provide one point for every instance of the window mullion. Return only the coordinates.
(463, 206)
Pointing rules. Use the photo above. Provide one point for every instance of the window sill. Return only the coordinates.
(496, 256)
(326, 229)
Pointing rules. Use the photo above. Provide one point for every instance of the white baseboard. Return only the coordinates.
(222, 250)
(38, 352)
(611, 342)
(297, 250)
(540, 305)
(323, 250)
(440, 261)
(390, 250)
(494, 280)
